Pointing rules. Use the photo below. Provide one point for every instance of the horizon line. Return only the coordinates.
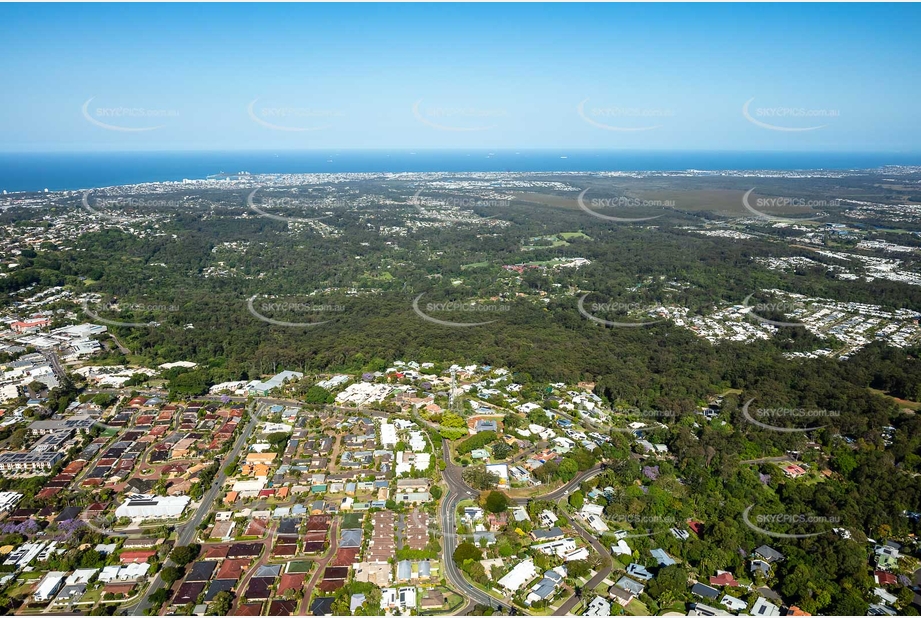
(437, 149)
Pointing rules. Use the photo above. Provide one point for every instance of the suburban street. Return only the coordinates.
(457, 491)
(603, 551)
(564, 491)
(188, 530)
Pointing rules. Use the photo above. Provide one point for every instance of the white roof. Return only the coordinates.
(523, 572)
(140, 505)
(49, 584)
(80, 576)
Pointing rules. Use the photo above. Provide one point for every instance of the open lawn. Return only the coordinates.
(636, 608)
(299, 566)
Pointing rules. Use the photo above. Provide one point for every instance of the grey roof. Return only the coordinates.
(425, 569)
(662, 558)
(201, 571)
(703, 590)
(351, 537)
(544, 588)
(769, 554)
(268, 570)
(356, 601)
(553, 576)
(404, 569)
(639, 571)
(630, 585)
(552, 533)
(621, 593)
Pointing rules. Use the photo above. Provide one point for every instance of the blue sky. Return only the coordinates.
(651, 76)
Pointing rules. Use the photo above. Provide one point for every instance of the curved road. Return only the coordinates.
(457, 491)
(564, 491)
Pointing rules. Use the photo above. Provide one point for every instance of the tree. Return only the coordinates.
(477, 572)
(501, 450)
(453, 421)
(672, 579)
(185, 554)
(160, 596)
(170, 575)
(476, 441)
(466, 551)
(221, 604)
(318, 395)
(576, 500)
(496, 502)
(480, 478)
(568, 469)
(578, 568)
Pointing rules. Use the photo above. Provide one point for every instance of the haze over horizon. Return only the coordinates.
(788, 78)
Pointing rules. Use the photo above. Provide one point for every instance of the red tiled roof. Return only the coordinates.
(136, 556)
(885, 579)
(291, 581)
(723, 579)
(248, 609)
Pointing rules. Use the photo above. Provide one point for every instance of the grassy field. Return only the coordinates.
(903, 403)
(475, 265)
(352, 520)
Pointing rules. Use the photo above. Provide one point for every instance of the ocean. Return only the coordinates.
(72, 171)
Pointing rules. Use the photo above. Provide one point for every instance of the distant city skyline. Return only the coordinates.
(702, 77)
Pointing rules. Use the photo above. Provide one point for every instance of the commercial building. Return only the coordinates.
(153, 507)
(28, 461)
